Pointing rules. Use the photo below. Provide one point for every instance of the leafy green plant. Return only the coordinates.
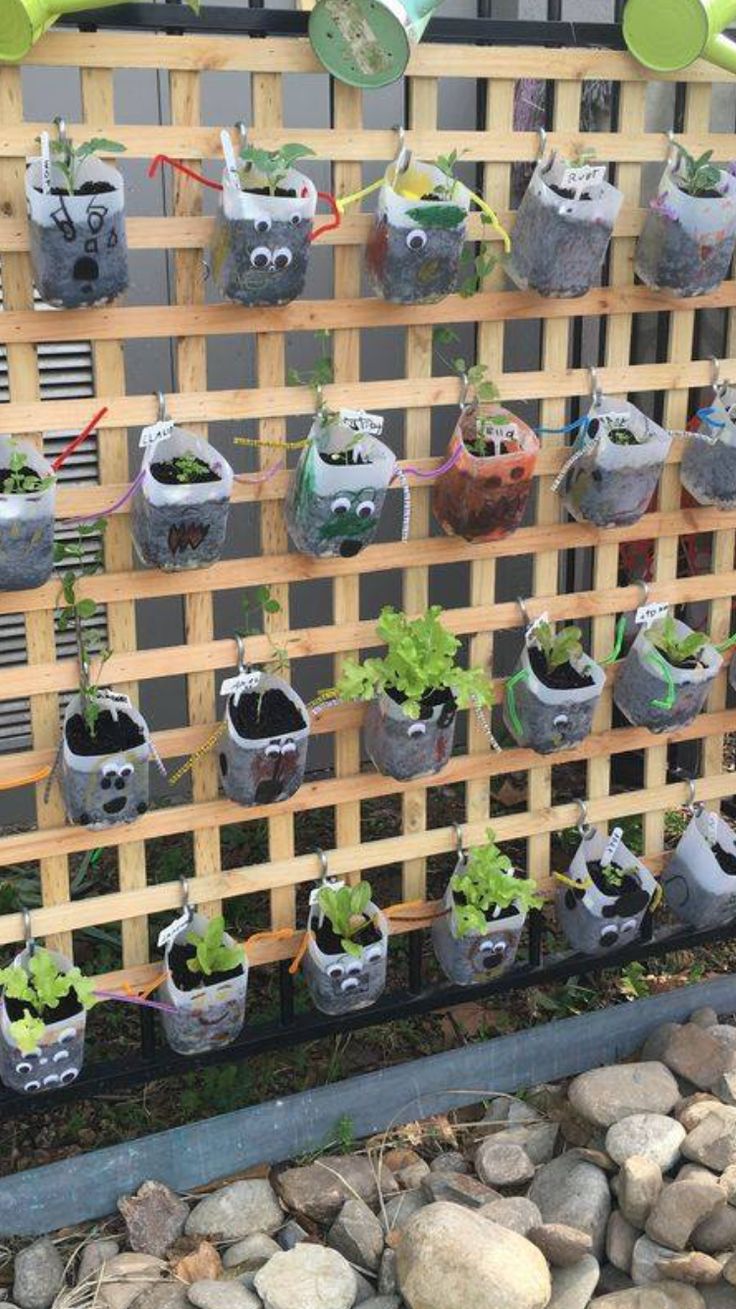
(446, 164)
(256, 604)
(581, 157)
(345, 907)
(40, 988)
(320, 375)
(676, 650)
(213, 955)
(77, 560)
(558, 648)
(634, 981)
(68, 157)
(696, 176)
(487, 882)
(419, 659)
(189, 468)
(476, 267)
(616, 876)
(271, 165)
(22, 483)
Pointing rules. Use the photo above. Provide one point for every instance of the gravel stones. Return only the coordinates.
(513, 1211)
(358, 1235)
(222, 1295)
(319, 1191)
(502, 1165)
(692, 1052)
(236, 1211)
(569, 1190)
(713, 1142)
(678, 1210)
(650, 1136)
(562, 1246)
(605, 1095)
(639, 1185)
(307, 1277)
(39, 1275)
(155, 1218)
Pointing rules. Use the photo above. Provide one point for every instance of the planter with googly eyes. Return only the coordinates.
(104, 774)
(264, 750)
(547, 718)
(477, 956)
(260, 251)
(58, 1058)
(208, 1012)
(699, 881)
(416, 244)
(687, 242)
(340, 983)
(338, 490)
(562, 233)
(614, 466)
(596, 914)
(484, 495)
(26, 517)
(403, 747)
(78, 244)
(642, 691)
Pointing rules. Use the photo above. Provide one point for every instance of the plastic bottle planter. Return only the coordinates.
(341, 983)
(700, 879)
(58, 1059)
(79, 249)
(177, 525)
(264, 754)
(708, 470)
(261, 244)
(208, 1013)
(483, 498)
(563, 229)
(641, 681)
(477, 956)
(595, 916)
(548, 718)
(611, 484)
(403, 747)
(104, 779)
(414, 249)
(337, 493)
(687, 242)
(26, 524)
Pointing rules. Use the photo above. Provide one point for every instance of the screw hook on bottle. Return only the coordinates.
(30, 940)
(585, 828)
(596, 394)
(459, 844)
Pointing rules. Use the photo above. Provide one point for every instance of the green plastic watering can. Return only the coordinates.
(367, 43)
(22, 22)
(667, 35)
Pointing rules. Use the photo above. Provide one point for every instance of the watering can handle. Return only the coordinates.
(721, 50)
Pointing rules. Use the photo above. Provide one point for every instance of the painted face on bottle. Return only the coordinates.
(352, 521)
(113, 792)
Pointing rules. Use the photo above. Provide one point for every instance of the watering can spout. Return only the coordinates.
(22, 22)
(671, 34)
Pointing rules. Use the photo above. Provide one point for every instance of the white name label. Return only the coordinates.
(530, 635)
(170, 933)
(614, 842)
(231, 163)
(360, 421)
(577, 179)
(242, 683)
(45, 163)
(156, 432)
(649, 613)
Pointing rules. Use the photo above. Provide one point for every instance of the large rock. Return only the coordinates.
(236, 1211)
(537, 1139)
(502, 1164)
(639, 1185)
(647, 1297)
(358, 1235)
(251, 1253)
(569, 1190)
(319, 1190)
(307, 1277)
(458, 1189)
(692, 1266)
(693, 1053)
(449, 1258)
(222, 1295)
(713, 1141)
(126, 1276)
(718, 1231)
(572, 1287)
(650, 1136)
(450, 1161)
(39, 1275)
(679, 1209)
(605, 1095)
(513, 1211)
(694, 1108)
(155, 1218)
(202, 1264)
(621, 1237)
(562, 1246)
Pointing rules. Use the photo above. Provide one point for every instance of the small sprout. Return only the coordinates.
(272, 165)
(561, 648)
(615, 876)
(212, 954)
(676, 649)
(320, 375)
(345, 910)
(73, 612)
(189, 468)
(582, 157)
(21, 483)
(67, 157)
(487, 882)
(696, 176)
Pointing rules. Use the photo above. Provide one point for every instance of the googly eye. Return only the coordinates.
(288, 748)
(335, 971)
(341, 505)
(51, 1080)
(127, 770)
(629, 926)
(60, 1056)
(261, 257)
(68, 1076)
(373, 954)
(30, 1087)
(366, 509)
(110, 770)
(609, 936)
(354, 968)
(282, 257)
(416, 239)
(350, 984)
(561, 720)
(67, 1035)
(272, 750)
(263, 224)
(416, 730)
(23, 1068)
(295, 220)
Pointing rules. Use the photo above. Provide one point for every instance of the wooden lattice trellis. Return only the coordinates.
(190, 321)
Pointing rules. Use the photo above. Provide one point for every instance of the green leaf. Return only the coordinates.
(27, 1032)
(86, 608)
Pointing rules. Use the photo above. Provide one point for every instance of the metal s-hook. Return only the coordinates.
(242, 131)
(644, 588)
(60, 125)
(542, 149)
(402, 158)
(186, 903)
(163, 413)
(585, 828)
(671, 148)
(464, 391)
(694, 806)
(596, 394)
(28, 933)
(324, 865)
(459, 845)
(524, 611)
(243, 666)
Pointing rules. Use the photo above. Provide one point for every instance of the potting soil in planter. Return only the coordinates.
(104, 778)
(261, 245)
(640, 681)
(483, 497)
(264, 753)
(477, 956)
(26, 523)
(338, 489)
(615, 465)
(403, 747)
(60, 1054)
(700, 878)
(414, 249)
(78, 244)
(179, 525)
(209, 1012)
(563, 229)
(687, 242)
(708, 468)
(595, 915)
(554, 708)
(338, 982)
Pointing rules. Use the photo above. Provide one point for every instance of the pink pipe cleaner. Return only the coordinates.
(261, 477)
(92, 518)
(135, 999)
(435, 472)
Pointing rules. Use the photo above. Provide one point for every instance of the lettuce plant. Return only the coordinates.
(345, 910)
(558, 648)
(40, 988)
(487, 882)
(212, 954)
(676, 650)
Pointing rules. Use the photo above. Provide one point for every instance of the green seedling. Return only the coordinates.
(560, 648)
(40, 988)
(68, 157)
(696, 176)
(78, 561)
(22, 483)
(189, 468)
(272, 166)
(345, 910)
(487, 882)
(321, 374)
(676, 650)
(213, 954)
(615, 876)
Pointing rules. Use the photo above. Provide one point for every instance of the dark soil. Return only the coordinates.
(509, 912)
(67, 1008)
(482, 447)
(273, 714)
(619, 436)
(265, 190)
(569, 195)
(188, 981)
(726, 860)
(330, 943)
(25, 471)
(168, 473)
(702, 195)
(428, 704)
(692, 662)
(343, 458)
(628, 883)
(89, 188)
(563, 678)
(110, 737)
